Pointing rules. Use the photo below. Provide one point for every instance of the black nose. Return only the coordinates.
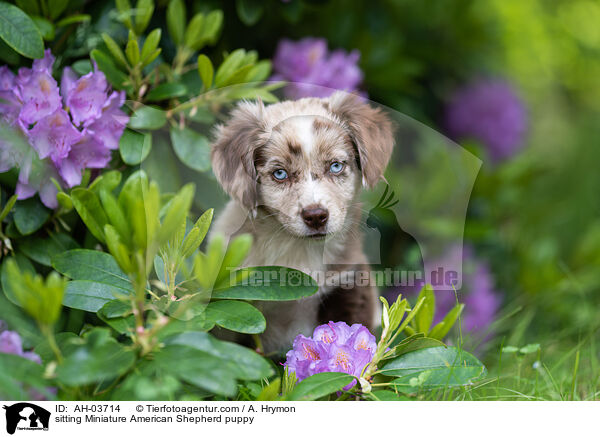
(315, 217)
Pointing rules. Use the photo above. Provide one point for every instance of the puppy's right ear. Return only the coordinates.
(233, 150)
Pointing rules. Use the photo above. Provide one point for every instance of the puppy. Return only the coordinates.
(294, 171)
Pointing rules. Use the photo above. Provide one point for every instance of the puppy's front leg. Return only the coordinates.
(355, 304)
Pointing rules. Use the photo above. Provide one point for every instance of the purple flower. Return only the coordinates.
(334, 347)
(10, 343)
(85, 97)
(307, 63)
(53, 136)
(64, 140)
(488, 111)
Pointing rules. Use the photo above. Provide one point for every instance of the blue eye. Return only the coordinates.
(336, 167)
(280, 174)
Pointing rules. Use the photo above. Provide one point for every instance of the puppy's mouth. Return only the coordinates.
(318, 236)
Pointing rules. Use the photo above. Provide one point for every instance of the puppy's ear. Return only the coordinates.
(370, 129)
(233, 150)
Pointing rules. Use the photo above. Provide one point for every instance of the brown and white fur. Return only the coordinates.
(303, 138)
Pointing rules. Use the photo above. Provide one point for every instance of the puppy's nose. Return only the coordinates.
(314, 216)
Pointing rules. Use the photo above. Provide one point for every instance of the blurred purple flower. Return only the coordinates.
(69, 133)
(313, 71)
(334, 347)
(491, 112)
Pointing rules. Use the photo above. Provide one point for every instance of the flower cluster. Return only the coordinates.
(334, 347)
(314, 71)
(71, 128)
(488, 111)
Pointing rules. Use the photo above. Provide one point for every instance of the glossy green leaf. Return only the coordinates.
(440, 330)
(20, 32)
(92, 265)
(270, 284)
(73, 19)
(45, 27)
(176, 20)
(205, 70)
(144, 10)
(106, 181)
(212, 26)
(30, 215)
(41, 250)
(424, 316)
(319, 385)
(193, 34)
(249, 11)
(236, 316)
(97, 358)
(115, 215)
(197, 368)
(134, 146)
(114, 49)
(116, 308)
(167, 91)
(243, 362)
(229, 66)
(8, 206)
(88, 206)
(24, 266)
(150, 45)
(132, 50)
(115, 76)
(125, 12)
(191, 148)
(437, 367)
(413, 343)
(56, 8)
(148, 117)
(89, 296)
(16, 371)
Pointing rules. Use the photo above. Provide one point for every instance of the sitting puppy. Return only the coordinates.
(294, 170)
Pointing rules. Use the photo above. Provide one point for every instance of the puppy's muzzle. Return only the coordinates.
(315, 217)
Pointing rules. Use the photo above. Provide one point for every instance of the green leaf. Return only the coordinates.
(29, 7)
(197, 368)
(124, 8)
(148, 117)
(236, 316)
(530, 348)
(41, 250)
(132, 50)
(73, 19)
(270, 284)
(196, 235)
(16, 371)
(436, 367)
(191, 148)
(17, 320)
(271, 391)
(388, 395)
(193, 34)
(319, 385)
(96, 358)
(115, 50)
(8, 206)
(414, 343)
(107, 181)
(144, 11)
(150, 45)
(115, 308)
(259, 72)
(424, 316)
(206, 71)
(30, 215)
(89, 296)
(87, 204)
(92, 265)
(167, 91)
(45, 27)
(46, 353)
(134, 146)
(212, 26)
(20, 32)
(440, 330)
(229, 66)
(115, 76)
(249, 11)
(56, 8)
(243, 362)
(24, 265)
(176, 20)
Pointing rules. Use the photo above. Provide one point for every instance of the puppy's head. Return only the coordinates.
(303, 161)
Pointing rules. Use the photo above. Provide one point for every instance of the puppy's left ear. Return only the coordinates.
(370, 129)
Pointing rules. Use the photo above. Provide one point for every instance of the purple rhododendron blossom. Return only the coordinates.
(334, 347)
(491, 112)
(68, 129)
(308, 62)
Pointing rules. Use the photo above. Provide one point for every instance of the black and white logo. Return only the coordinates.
(26, 417)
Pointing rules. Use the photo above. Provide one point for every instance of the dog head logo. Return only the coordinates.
(26, 416)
